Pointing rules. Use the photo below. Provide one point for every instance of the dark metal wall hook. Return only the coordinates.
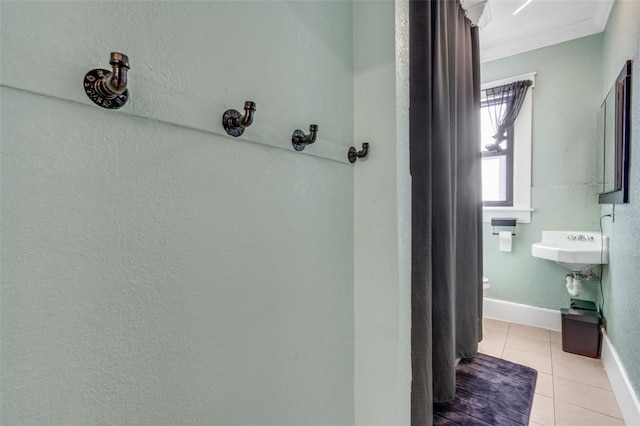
(353, 154)
(234, 123)
(299, 140)
(108, 89)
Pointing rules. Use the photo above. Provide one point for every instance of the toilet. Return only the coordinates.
(485, 284)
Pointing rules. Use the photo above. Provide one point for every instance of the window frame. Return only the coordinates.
(508, 153)
(522, 156)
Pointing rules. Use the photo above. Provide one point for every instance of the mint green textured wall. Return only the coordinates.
(621, 284)
(381, 199)
(566, 101)
(154, 270)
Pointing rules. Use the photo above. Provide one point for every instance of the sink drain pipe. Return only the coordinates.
(574, 284)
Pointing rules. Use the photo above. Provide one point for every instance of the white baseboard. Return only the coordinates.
(625, 395)
(522, 314)
(552, 320)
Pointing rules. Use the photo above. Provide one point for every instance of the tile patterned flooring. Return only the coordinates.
(572, 390)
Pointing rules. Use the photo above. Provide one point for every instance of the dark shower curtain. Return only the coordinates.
(445, 154)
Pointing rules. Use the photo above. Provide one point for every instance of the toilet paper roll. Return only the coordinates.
(504, 238)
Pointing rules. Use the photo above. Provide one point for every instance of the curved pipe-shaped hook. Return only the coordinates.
(353, 154)
(117, 84)
(299, 140)
(114, 83)
(108, 89)
(234, 123)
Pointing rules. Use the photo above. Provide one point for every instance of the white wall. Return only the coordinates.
(383, 215)
(154, 270)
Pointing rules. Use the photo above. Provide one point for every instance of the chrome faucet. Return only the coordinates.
(580, 237)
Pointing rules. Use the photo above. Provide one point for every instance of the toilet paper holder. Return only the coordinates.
(503, 222)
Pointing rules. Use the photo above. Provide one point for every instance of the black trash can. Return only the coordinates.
(581, 332)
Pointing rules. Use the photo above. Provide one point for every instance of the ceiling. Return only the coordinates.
(541, 23)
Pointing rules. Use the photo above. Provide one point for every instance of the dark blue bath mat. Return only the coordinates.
(489, 391)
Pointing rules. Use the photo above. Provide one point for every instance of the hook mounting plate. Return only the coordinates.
(352, 155)
(90, 80)
(229, 117)
(297, 140)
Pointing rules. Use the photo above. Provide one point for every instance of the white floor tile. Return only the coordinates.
(586, 396)
(571, 390)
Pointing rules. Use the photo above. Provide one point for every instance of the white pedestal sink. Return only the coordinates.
(577, 250)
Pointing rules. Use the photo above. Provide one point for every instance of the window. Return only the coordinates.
(497, 167)
(506, 175)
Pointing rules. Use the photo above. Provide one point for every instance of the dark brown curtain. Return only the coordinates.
(446, 199)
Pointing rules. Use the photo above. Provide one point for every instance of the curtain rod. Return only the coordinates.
(495, 83)
(509, 84)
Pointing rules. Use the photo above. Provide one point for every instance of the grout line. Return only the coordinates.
(504, 346)
(552, 373)
(553, 385)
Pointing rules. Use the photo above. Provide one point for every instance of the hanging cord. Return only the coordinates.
(602, 262)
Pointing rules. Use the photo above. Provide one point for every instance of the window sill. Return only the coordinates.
(521, 215)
